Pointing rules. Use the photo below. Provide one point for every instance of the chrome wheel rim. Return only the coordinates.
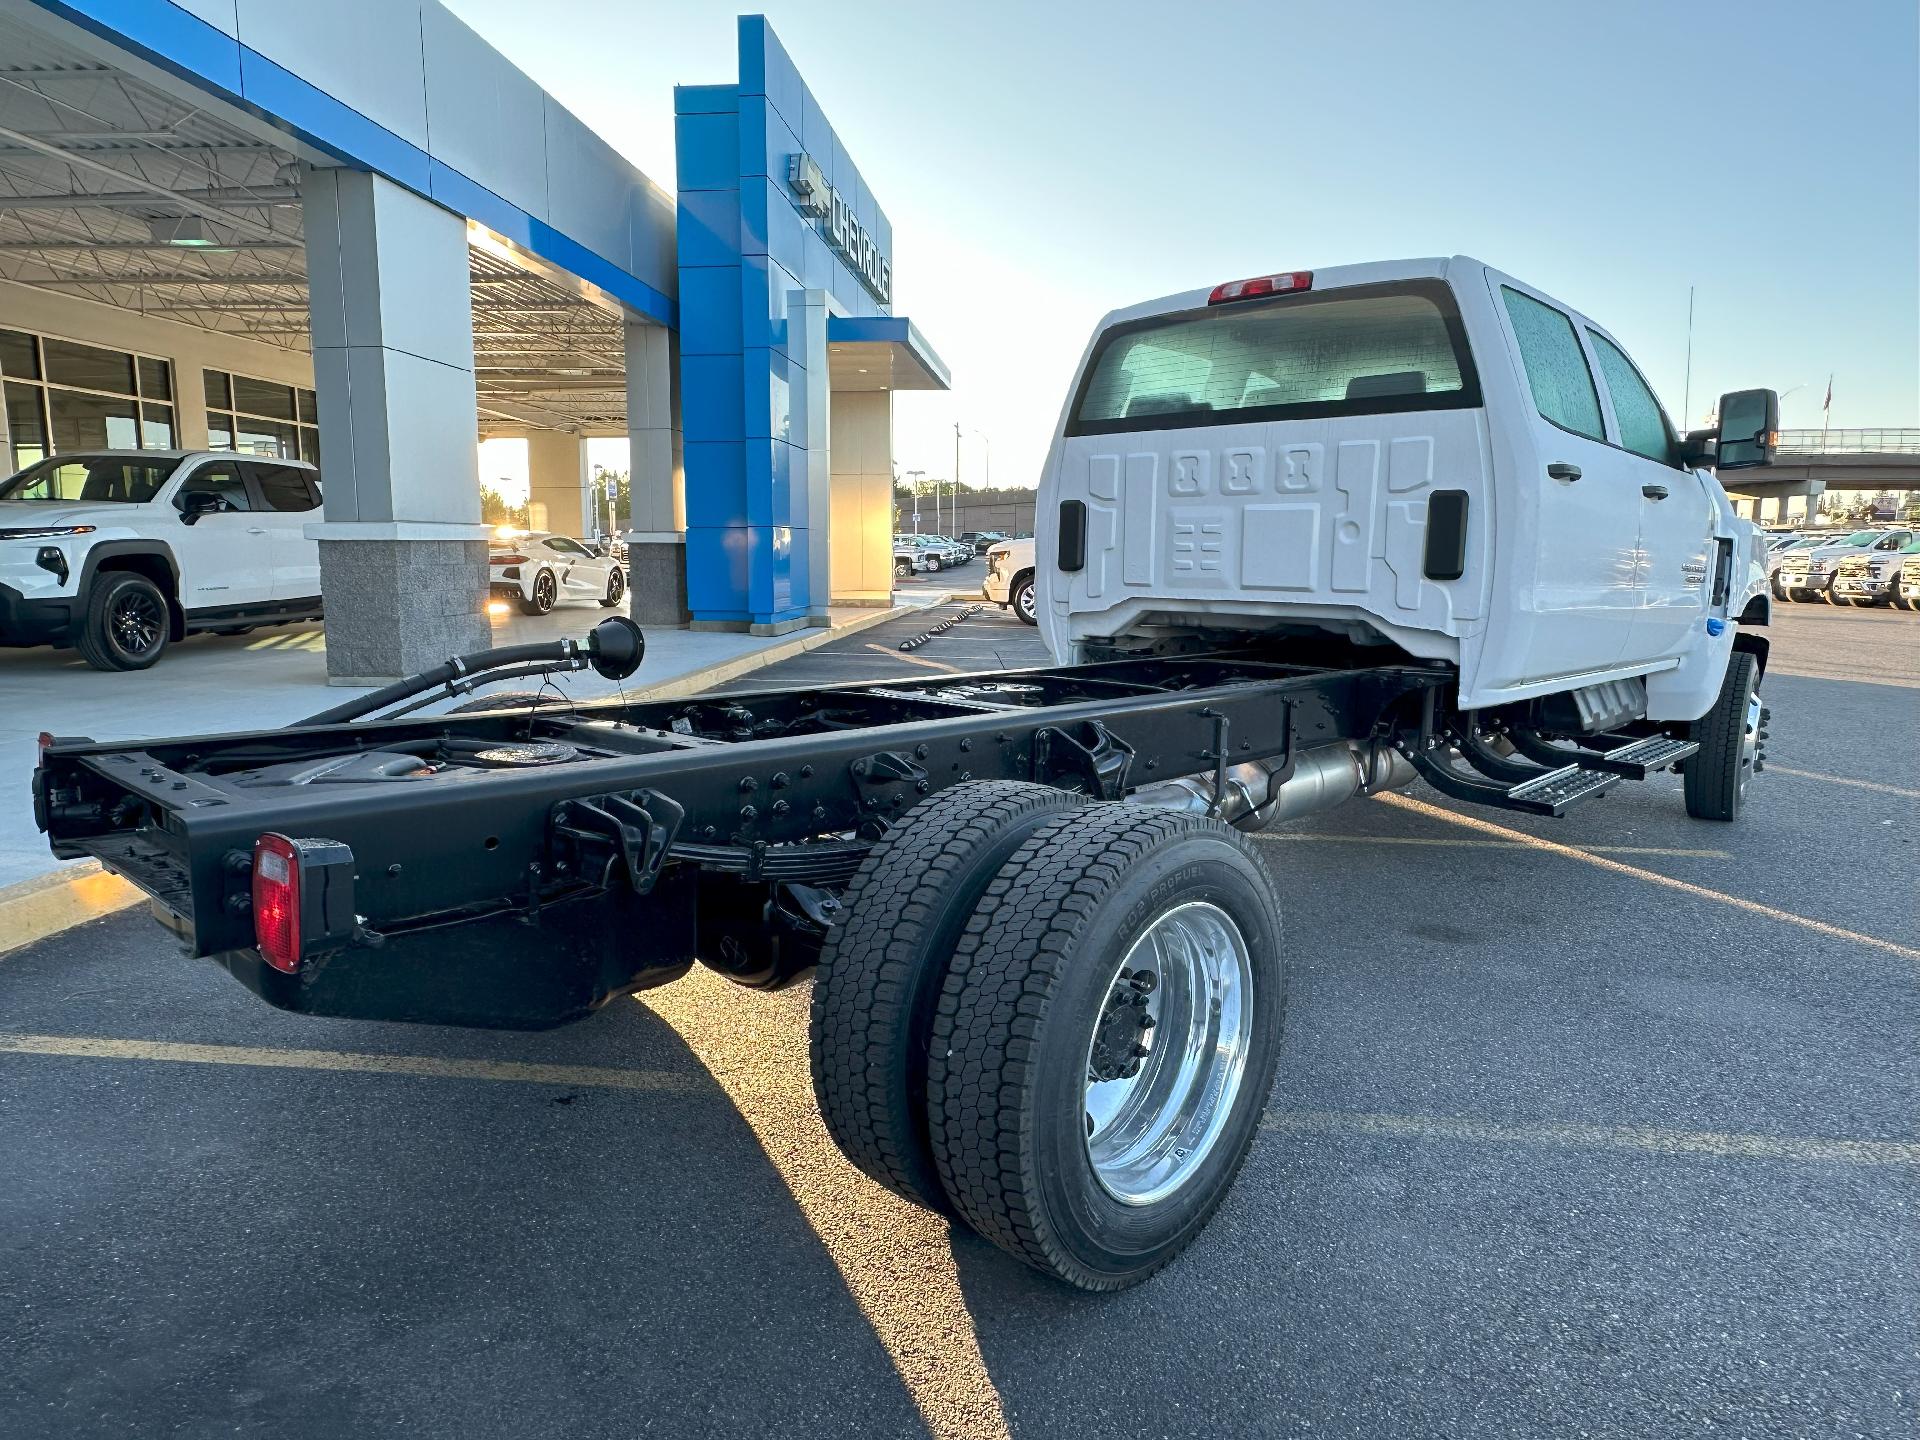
(137, 621)
(1168, 1053)
(1024, 602)
(543, 591)
(614, 586)
(1749, 740)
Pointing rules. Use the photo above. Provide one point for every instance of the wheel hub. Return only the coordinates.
(1120, 1037)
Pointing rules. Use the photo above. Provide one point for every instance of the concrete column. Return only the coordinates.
(862, 495)
(656, 480)
(557, 483)
(403, 556)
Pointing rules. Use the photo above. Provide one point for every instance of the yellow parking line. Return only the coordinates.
(92, 1047)
(48, 904)
(1719, 1143)
(1653, 877)
(1773, 769)
(903, 656)
(1452, 844)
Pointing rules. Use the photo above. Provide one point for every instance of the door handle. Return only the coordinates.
(1561, 470)
(1654, 492)
(255, 530)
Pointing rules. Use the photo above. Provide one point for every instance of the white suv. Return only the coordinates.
(119, 552)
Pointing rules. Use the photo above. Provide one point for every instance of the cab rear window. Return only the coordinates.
(1364, 350)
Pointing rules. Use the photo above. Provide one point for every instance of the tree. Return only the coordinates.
(494, 509)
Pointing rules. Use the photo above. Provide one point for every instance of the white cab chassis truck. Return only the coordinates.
(1303, 537)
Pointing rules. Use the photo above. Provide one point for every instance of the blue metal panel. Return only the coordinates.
(709, 227)
(707, 151)
(767, 406)
(765, 69)
(770, 497)
(716, 474)
(755, 194)
(569, 254)
(711, 399)
(710, 310)
(764, 286)
(450, 188)
(706, 99)
(766, 139)
(717, 572)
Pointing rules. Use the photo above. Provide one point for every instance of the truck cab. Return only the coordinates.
(1426, 456)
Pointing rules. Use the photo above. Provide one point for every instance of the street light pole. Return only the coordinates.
(916, 476)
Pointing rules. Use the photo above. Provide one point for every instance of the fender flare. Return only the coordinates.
(144, 549)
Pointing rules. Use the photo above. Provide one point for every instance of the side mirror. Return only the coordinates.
(195, 503)
(1701, 447)
(1749, 429)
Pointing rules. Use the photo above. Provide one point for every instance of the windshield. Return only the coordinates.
(1362, 350)
(89, 480)
(1862, 537)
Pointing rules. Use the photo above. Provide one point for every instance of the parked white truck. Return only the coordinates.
(1302, 537)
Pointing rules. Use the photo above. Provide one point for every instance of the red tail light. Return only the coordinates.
(1281, 284)
(276, 902)
(498, 559)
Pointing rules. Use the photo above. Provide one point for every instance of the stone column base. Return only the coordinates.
(657, 583)
(397, 607)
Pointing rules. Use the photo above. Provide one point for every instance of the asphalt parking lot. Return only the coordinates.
(1604, 1126)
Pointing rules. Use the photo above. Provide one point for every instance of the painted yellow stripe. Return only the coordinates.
(433, 1067)
(1453, 844)
(1652, 877)
(1718, 1143)
(760, 1108)
(908, 658)
(1773, 769)
(48, 904)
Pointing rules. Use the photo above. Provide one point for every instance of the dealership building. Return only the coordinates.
(354, 233)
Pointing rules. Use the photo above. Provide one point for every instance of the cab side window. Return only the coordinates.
(285, 488)
(1556, 367)
(223, 482)
(1643, 424)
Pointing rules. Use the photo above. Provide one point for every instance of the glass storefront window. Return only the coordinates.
(260, 417)
(26, 425)
(262, 397)
(156, 379)
(87, 367)
(19, 357)
(156, 426)
(92, 422)
(65, 395)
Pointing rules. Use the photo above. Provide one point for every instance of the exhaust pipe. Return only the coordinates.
(1323, 777)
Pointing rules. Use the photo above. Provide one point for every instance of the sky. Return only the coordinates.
(1043, 163)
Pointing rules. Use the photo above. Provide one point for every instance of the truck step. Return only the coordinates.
(1564, 788)
(1643, 757)
(1552, 792)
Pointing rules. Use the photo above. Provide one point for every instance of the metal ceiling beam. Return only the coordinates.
(207, 208)
(87, 247)
(141, 281)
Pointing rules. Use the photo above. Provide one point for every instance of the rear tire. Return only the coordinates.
(1728, 735)
(127, 623)
(1096, 1186)
(616, 589)
(545, 591)
(903, 569)
(882, 966)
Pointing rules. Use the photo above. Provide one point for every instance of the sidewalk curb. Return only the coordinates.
(45, 905)
(695, 681)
